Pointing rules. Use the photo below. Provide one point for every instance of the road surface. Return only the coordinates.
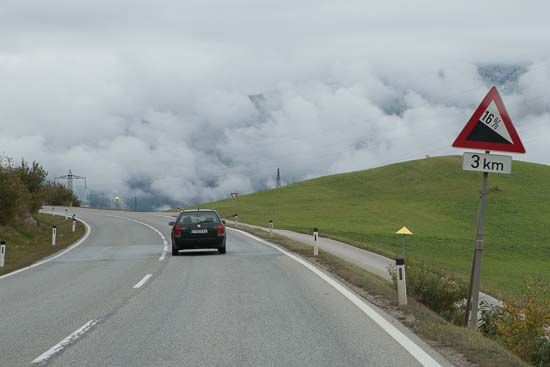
(118, 299)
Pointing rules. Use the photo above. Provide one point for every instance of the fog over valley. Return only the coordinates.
(177, 102)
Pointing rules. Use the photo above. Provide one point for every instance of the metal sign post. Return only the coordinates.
(473, 293)
(233, 198)
(491, 129)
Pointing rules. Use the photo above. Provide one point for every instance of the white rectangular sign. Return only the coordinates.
(483, 162)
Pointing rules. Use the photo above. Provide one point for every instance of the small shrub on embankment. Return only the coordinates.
(441, 292)
(522, 325)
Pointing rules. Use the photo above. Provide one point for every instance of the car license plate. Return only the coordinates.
(199, 231)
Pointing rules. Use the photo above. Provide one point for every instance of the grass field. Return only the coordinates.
(437, 201)
(27, 244)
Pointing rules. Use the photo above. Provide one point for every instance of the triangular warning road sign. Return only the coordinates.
(490, 128)
(234, 195)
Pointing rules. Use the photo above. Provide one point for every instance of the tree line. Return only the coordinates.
(24, 189)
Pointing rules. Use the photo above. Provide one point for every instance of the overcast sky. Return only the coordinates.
(153, 98)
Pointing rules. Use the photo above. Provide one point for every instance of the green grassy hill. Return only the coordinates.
(436, 200)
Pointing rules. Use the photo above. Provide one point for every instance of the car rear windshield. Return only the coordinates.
(191, 218)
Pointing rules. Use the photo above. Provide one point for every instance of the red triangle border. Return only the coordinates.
(515, 147)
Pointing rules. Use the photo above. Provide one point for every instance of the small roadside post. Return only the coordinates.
(490, 129)
(53, 208)
(401, 281)
(54, 234)
(74, 223)
(271, 228)
(236, 220)
(315, 241)
(66, 214)
(2, 253)
(404, 232)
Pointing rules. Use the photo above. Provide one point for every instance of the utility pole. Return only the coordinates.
(70, 177)
(278, 181)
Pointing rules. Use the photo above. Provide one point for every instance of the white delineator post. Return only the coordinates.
(401, 281)
(315, 241)
(236, 220)
(54, 234)
(53, 210)
(270, 228)
(74, 222)
(66, 214)
(2, 253)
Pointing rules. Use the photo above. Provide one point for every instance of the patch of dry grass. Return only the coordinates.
(26, 245)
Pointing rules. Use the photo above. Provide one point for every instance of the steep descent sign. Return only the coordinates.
(234, 195)
(490, 128)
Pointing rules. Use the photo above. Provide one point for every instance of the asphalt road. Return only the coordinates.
(116, 300)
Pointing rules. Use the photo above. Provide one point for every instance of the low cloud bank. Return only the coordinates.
(176, 111)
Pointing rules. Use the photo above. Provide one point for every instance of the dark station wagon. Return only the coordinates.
(198, 229)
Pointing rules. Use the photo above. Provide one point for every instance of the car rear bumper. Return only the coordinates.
(198, 243)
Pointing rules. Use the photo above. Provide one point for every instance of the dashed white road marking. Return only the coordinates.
(418, 353)
(164, 241)
(44, 357)
(142, 281)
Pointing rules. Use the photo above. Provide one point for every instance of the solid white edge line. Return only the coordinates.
(62, 344)
(55, 255)
(164, 242)
(418, 353)
(142, 281)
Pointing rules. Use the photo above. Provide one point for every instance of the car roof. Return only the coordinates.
(198, 210)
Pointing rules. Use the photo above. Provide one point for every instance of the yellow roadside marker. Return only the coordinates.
(405, 232)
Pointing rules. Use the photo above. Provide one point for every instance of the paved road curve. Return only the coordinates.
(116, 301)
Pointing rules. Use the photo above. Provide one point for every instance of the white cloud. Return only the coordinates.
(152, 99)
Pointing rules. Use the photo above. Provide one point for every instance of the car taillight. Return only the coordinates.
(221, 229)
(177, 230)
